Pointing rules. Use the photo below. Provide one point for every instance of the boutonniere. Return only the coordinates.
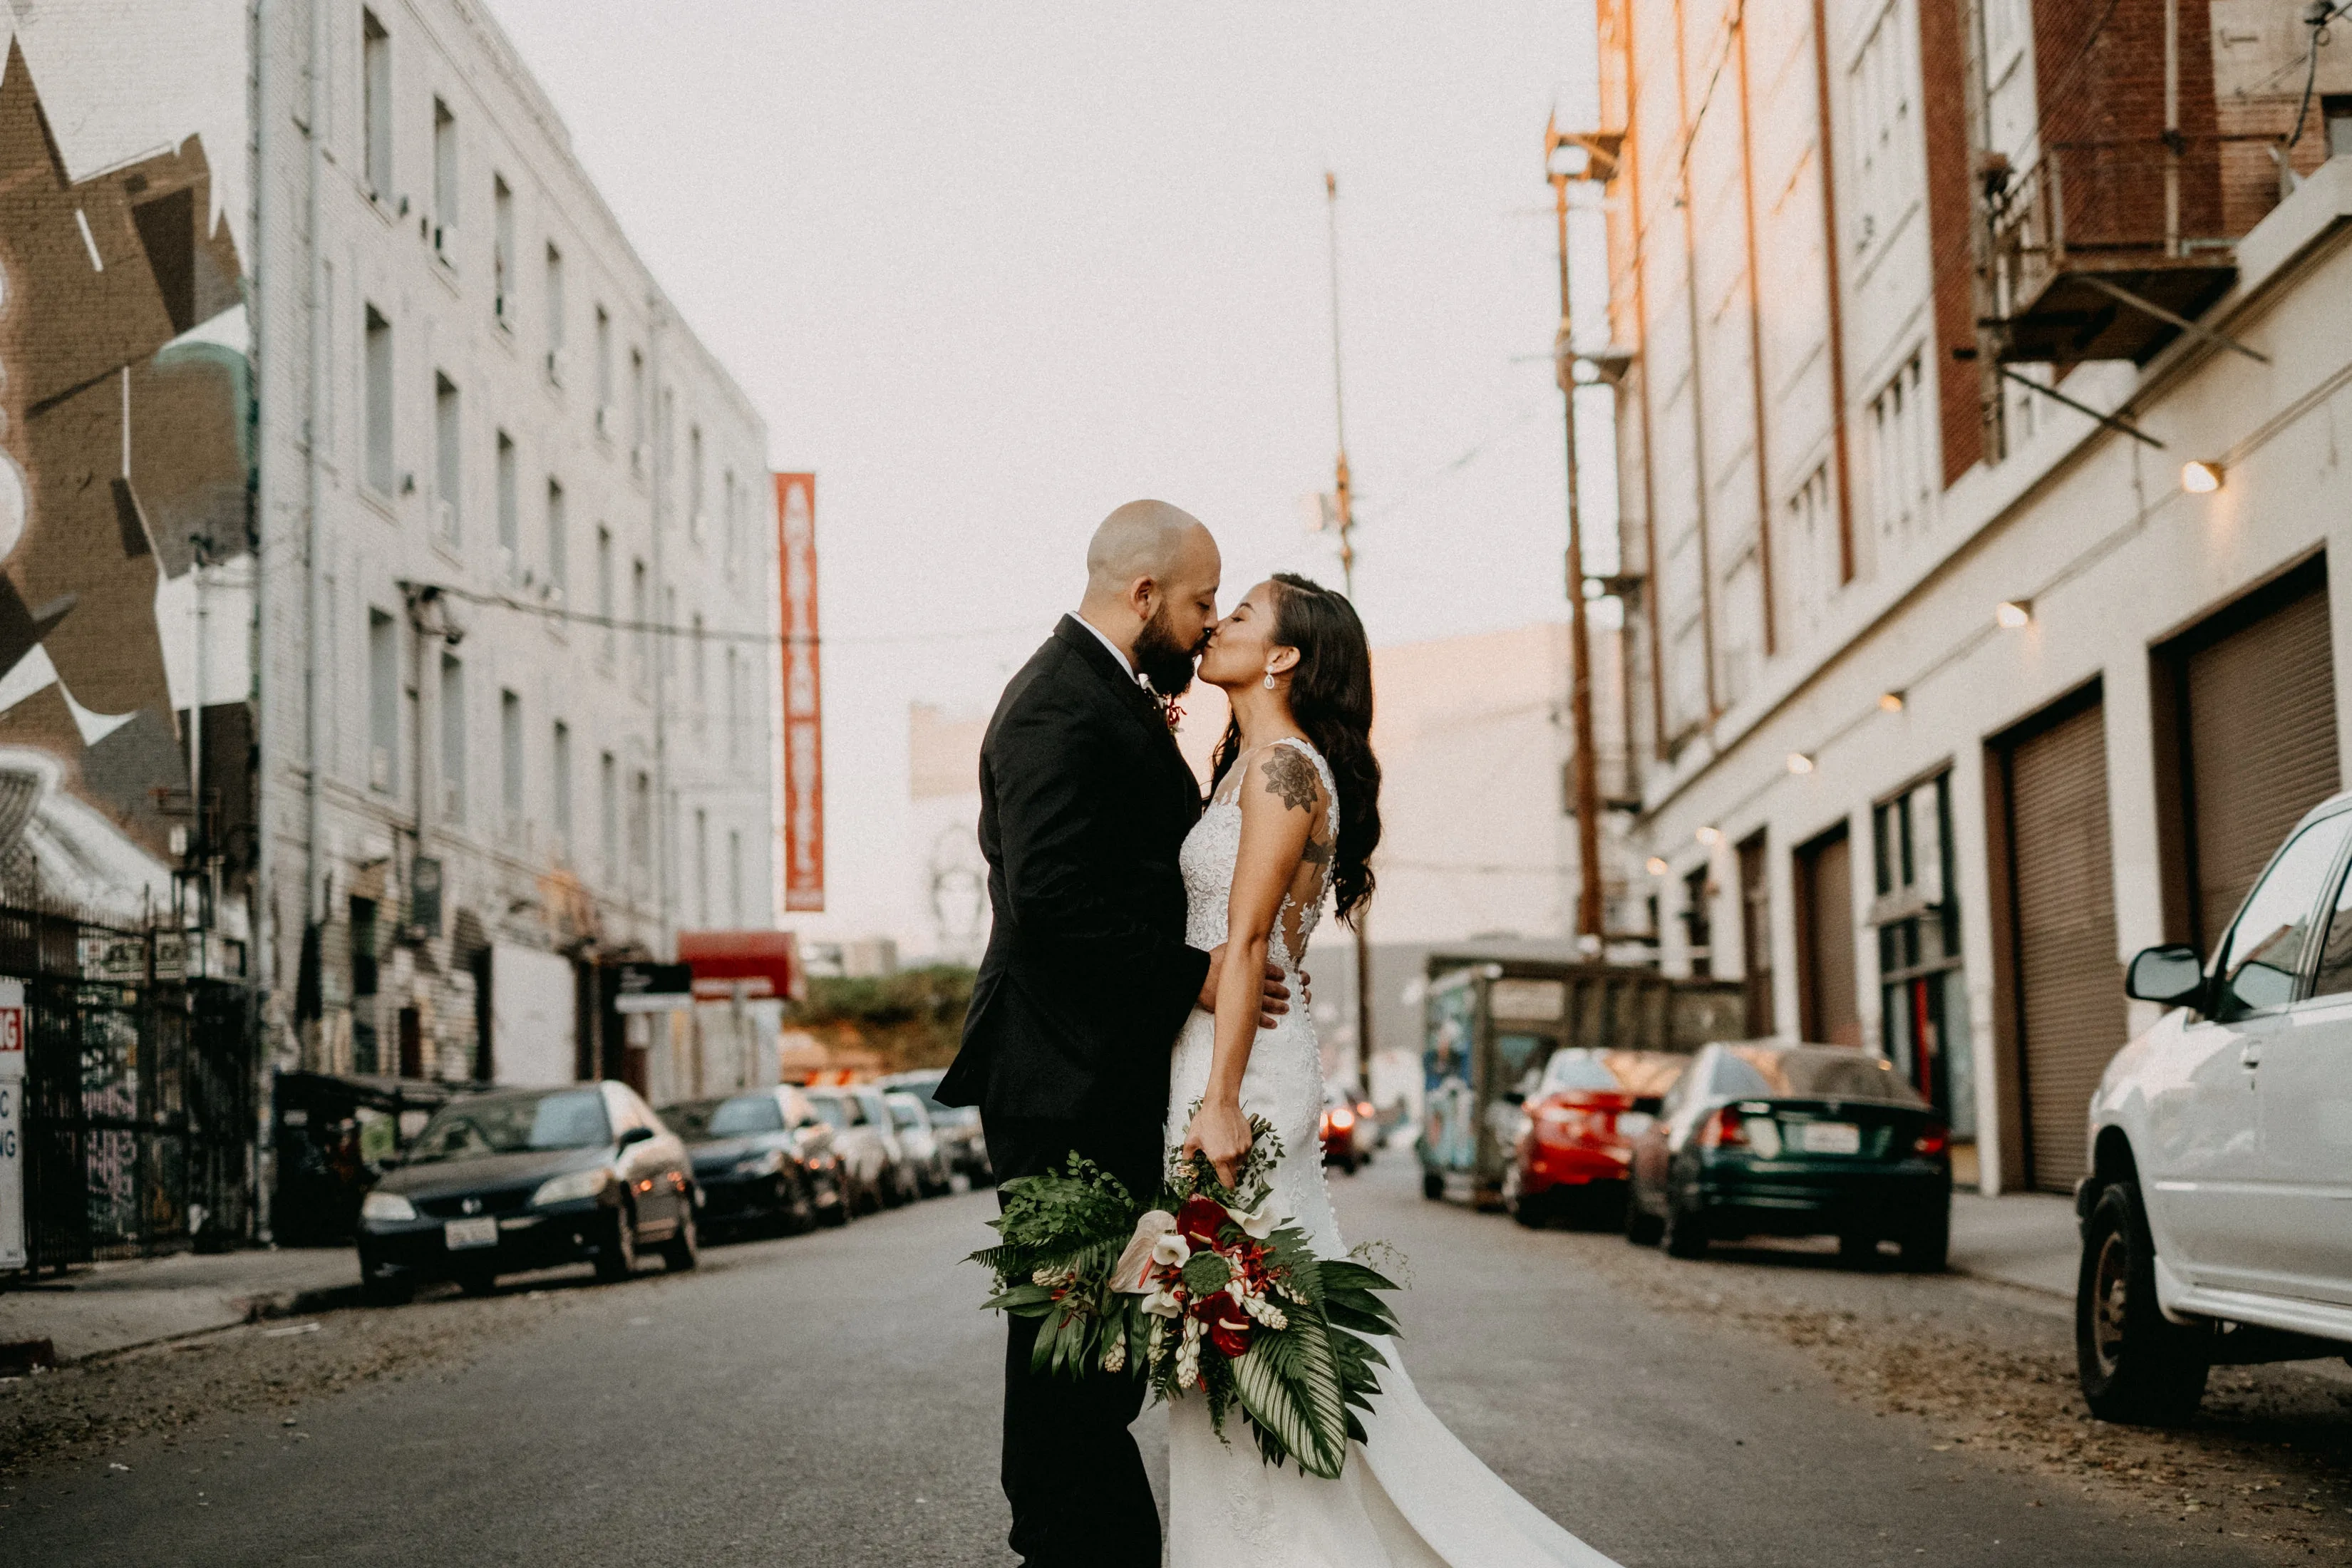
(1172, 713)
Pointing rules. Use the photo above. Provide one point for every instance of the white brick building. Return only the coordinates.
(511, 436)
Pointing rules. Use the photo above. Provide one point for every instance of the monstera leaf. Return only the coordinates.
(1289, 1384)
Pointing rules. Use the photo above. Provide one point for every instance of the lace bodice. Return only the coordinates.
(1214, 845)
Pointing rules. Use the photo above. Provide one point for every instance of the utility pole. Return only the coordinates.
(1589, 937)
(1344, 521)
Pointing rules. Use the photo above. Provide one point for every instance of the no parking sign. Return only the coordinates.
(11, 1130)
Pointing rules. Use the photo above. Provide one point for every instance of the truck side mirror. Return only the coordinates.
(2172, 975)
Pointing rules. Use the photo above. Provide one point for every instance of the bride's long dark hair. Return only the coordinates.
(1331, 697)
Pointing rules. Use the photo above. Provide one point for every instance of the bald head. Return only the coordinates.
(1152, 588)
(1142, 539)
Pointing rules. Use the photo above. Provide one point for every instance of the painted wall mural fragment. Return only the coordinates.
(124, 465)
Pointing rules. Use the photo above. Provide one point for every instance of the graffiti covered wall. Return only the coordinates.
(125, 539)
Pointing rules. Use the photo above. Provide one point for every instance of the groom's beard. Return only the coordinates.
(1166, 662)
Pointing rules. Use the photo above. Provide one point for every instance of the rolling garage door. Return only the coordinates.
(2070, 996)
(2260, 706)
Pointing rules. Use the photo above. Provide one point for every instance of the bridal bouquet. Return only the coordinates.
(1206, 1292)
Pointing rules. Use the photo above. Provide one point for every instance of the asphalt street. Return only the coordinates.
(831, 1399)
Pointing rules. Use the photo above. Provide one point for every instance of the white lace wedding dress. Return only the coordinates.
(1411, 1496)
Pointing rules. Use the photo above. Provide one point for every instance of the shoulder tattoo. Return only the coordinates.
(1291, 777)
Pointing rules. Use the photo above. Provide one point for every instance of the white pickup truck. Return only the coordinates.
(2217, 1219)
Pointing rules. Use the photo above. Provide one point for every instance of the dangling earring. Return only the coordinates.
(1269, 679)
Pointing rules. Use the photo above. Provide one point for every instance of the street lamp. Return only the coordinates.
(1568, 157)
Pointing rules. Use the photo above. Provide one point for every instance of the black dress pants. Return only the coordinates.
(1071, 1469)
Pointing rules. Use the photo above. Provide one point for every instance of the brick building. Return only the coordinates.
(387, 600)
(1947, 658)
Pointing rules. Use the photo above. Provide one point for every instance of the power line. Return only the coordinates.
(701, 632)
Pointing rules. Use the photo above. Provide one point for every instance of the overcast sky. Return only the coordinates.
(990, 270)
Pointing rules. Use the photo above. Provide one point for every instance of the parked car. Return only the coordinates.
(529, 1178)
(2217, 1216)
(957, 1127)
(925, 1155)
(1573, 1145)
(764, 1161)
(869, 1147)
(1774, 1139)
(1351, 1133)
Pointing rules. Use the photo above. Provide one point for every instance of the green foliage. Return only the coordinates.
(914, 1017)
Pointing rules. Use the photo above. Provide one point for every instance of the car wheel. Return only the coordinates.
(1857, 1248)
(1642, 1228)
(837, 1212)
(1684, 1234)
(798, 1208)
(1528, 1211)
(1927, 1246)
(617, 1258)
(1432, 1186)
(476, 1283)
(2134, 1364)
(380, 1290)
(683, 1250)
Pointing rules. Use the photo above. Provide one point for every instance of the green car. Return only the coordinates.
(1773, 1139)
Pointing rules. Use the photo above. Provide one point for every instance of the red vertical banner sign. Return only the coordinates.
(803, 700)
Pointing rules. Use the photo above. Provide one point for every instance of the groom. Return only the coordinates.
(1084, 801)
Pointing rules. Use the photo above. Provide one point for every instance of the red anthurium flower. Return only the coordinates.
(1200, 1219)
(1230, 1331)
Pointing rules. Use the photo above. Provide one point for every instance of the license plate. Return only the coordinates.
(1633, 1123)
(464, 1232)
(1829, 1138)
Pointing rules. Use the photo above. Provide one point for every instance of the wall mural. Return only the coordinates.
(124, 463)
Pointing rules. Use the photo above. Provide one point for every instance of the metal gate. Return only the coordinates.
(139, 1111)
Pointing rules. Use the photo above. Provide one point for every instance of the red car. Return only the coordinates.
(1575, 1134)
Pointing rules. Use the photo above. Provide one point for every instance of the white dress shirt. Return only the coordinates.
(1125, 663)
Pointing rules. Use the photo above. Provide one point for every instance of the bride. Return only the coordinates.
(1293, 816)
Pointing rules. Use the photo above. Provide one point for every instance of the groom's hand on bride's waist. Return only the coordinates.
(1272, 1002)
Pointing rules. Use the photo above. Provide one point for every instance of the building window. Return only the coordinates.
(695, 522)
(1756, 935)
(502, 243)
(1901, 493)
(734, 704)
(702, 868)
(1923, 997)
(608, 808)
(639, 456)
(376, 103)
(447, 475)
(1879, 92)
(383, 701)
(558, 548)
(702, 688)
(379, 403)
(555, 315)
(2335, 113)
(453, 739)
(510, 765)
(559, 783)
(445, 180)
(1811, 549)
(605, 591)
(669, 643)
(641, 829)
(603, 373)
(641, 662)
(509, 523)
(735, 878)
(1698, 921)
(363, 984)
(730, 497)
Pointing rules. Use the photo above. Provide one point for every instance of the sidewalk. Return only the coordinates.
(2019, 1239)
(112, 1306)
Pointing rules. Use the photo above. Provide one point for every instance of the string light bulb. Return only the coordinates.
(1658, 866)
(2200, 478)
(2013, 614)
(1799, 763)
(1890, 701)
(1709, 835)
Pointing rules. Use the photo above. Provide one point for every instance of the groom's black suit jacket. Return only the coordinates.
(1084, 802)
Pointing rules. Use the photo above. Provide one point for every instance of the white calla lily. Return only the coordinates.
(1172, 1250)
(1257, 1224)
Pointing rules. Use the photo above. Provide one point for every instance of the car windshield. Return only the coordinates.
(1645, 1075)
(1809, 1072)
(734, 1118)
(907, 1112)
(512, 1124)
(834, 1113)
